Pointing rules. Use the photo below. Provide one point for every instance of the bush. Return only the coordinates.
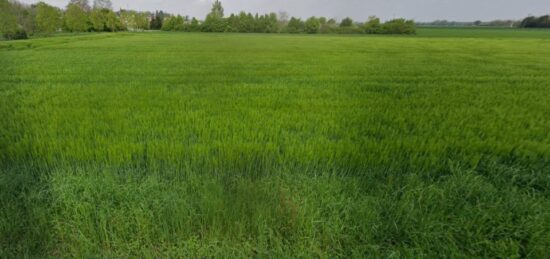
(536, 22)
(19, 34)
(373, 25)
(399, 26)
(312, 25)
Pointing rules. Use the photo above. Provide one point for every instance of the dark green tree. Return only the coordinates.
(347, 22)
(295, 25)
(156, 20)
(373, 25)
(399, 26)
(312, 25)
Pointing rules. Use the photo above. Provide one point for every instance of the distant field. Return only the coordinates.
(249, 145)
(483, 32)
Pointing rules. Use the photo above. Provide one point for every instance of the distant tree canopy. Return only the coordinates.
(536, 22)
(8, 21)
(48, 18)
(157, 19)
(133, 20)
(18, 19)
(104, 20)
(76, 18)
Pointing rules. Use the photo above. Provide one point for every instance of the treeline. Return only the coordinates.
(536, 22)
(494, 23)
(244, 22)
(18, 20)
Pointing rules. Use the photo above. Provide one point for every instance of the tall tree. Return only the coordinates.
(214, 21)
(295, 25)
(193, 26)
(103, 4)
(217, 9)
(312, 25)
(156, 20)
(347, 22)
(373, 26)
(48, 18)
(104, 20)
(76, 19)
(8, 21)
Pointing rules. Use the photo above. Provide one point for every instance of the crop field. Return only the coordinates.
(249, 145)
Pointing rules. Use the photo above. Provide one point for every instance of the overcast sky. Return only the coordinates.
(420, 10)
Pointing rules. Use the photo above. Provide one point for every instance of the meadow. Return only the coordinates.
(247, 145)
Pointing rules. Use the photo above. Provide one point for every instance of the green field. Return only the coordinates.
(248, 145)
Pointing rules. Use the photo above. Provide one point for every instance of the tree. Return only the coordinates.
(217, 9)
(83, 4)
(142, 20)
(372, 26)
(214, 21)
(156, 20)
(295, 25)
(173, 23)
(347, 22)
(399, 26)
(48, 18)
(312, 25)
(103, 4)
(76, 19)
(193, 26)
(329, 26)
(536, 22)
(104, 20)
(128, 19)
(8, 21)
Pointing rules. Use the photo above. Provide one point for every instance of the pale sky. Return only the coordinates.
(419, 10)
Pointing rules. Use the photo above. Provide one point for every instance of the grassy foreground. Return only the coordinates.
(230, 145)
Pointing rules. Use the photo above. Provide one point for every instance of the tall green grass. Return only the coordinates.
(192, 145)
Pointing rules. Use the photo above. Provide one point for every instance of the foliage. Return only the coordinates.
(373, 25)
(536, 22)
(312, 25)
(157, 19)
(346, 22)
(48, 18)
(104, 20)
(399, 26)
(173, 23)
(193, 26)
(214, 21)
(79, 17)
(295, 25)
(8, 22)
(76, 19)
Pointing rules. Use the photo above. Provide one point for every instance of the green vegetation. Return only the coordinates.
(536, 22)
(247, 145)
(19, 19)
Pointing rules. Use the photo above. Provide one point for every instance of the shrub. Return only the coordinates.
(399, 26)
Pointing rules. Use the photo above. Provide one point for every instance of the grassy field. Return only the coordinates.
(234, 145)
